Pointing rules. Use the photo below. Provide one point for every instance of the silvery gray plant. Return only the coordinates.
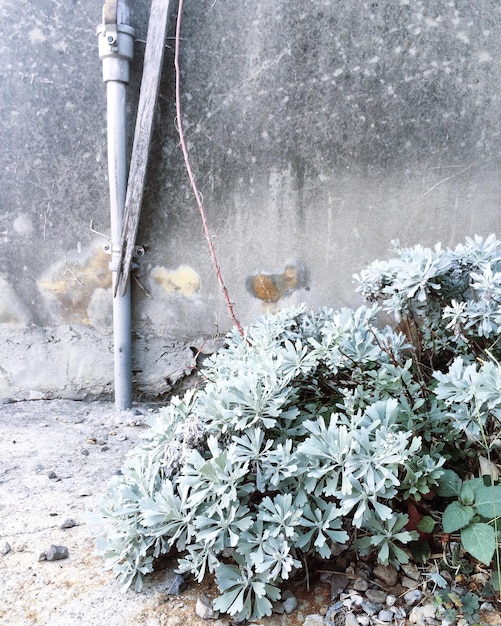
(315, 427)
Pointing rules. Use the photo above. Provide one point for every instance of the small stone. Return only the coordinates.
(84, 452)
(42, 556)
(205, 610)
(104, 448)
(314, 620)
(410, 583)
(56, 553)
(278, 608)
(411, 571)
(177, 586)
(360, 584)
(290, 605)
(387, 574)
(385, 616)
(5, 549)
(364, 620)
(370, 608)
(92, 441)
(390, 600)
(399, 612)
(413, 597)
(51, 475)
(420, 614)
(374, 595)
(350, 620)
(69, 523)
(338, 584)
(122, 437)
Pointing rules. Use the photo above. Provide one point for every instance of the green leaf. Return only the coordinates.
(488, 502)
(480, 541)
(456, 516)
(426, 524)
(496, 580)
(449, 484)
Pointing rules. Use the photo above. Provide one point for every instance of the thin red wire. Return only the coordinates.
(194, 187)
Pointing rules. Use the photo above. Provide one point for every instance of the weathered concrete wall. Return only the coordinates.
(318, 132)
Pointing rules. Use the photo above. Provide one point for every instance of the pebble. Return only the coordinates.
(364, 620)
(351, 620)
(338, 584)
(69, 523)
(290, 604)
(360, 584)
(385, 616)
(411, 571)
(387, 574)
(419, 614)
(205, 610)
(390, 600)
(410, 583)
(51, 475)
(177, 586)
(374, 595)
(413, 597)
(56, 553)
(5, 549)
(370, 608)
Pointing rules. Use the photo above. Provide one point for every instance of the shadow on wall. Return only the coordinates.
(273, 287)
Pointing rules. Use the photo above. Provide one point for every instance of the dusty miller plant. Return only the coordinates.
(313, 428)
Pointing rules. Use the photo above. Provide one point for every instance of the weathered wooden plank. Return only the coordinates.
(150, 83)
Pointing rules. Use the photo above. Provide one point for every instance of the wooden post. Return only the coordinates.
(150, 83)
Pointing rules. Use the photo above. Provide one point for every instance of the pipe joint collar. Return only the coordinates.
(116, 52)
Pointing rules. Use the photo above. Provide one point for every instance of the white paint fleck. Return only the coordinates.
(412, 51)
(338, 72)
(462, 36)
(484, 57)
(36, 35)
(374, 59)
(23, 225)
(391, 90)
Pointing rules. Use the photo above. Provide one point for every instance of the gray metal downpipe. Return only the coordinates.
(116, 50)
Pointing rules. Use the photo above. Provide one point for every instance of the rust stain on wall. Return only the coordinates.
(183, 280)
(72, 285)
(273, 287)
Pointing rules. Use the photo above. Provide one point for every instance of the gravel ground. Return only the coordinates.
(55, 457)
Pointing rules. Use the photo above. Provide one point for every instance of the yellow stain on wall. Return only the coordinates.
(273, 287)
(183, 280)
(72, 285)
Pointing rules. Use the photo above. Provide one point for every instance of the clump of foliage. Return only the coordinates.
(311, 433)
